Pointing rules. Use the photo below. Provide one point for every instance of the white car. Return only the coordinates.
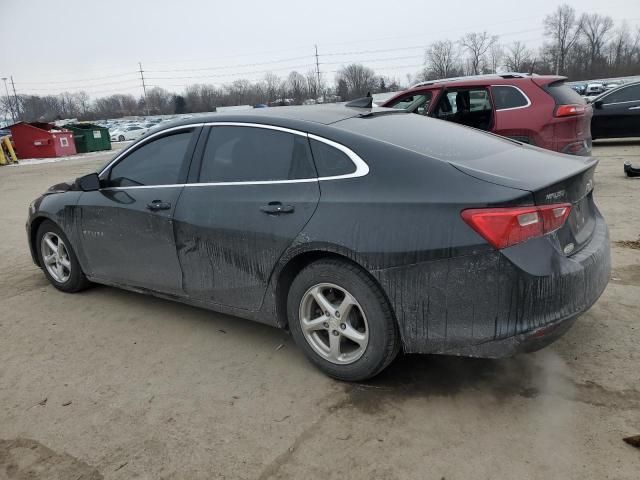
(131, 132)
(594, 89)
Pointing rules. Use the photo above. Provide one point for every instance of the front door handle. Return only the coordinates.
(276, 208)
(155, 205)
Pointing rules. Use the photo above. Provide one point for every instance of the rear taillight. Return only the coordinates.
(504, 227)
(569, 110)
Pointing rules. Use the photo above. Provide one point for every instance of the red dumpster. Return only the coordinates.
(41, 140)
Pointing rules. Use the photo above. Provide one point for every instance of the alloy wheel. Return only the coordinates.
(334, 323)
(55, 257)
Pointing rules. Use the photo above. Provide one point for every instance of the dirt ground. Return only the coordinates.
(115, 385)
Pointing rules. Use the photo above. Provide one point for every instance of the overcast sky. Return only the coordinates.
(51, 46)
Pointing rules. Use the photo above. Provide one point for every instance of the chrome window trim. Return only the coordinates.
(362, 168)
(145, 140)
(616, 90)
(620, 103)
(512, 108)
(255, 125)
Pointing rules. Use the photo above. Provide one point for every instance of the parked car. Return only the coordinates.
(538, 110)
(594, 89)
(612, 85)
(428, 236)
(580, 88)
(616, 113)
(131, 132)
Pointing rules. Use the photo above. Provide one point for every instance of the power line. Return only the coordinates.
(272, 62)
(233, 74)
(76, 80)
(81, 87)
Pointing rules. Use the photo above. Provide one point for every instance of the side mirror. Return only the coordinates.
(88, 183)
(598, 103)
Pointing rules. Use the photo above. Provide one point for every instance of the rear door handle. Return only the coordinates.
(276, 208)
(155, 205)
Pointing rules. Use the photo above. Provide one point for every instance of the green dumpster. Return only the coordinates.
(89, 137)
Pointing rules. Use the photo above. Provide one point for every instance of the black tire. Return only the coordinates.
(383, 341)
(121, 138)
(77, 280)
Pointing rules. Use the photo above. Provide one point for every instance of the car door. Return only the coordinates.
(254, 190)
(126, 226)
(617, 114)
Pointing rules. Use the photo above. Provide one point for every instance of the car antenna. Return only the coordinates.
(364, 102)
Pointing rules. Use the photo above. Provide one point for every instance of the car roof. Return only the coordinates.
(619, 87)
(478, 80)
(290, 116)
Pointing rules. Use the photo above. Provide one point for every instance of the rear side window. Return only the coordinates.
(330, 161)
(563, 94)
(505, 97)
(158, 162)
(248, 154)
(627, 94)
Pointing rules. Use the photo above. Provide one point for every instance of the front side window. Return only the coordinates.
(249, 154)
(416, 103)
(158, 162)
(628, 94)
(506, 97)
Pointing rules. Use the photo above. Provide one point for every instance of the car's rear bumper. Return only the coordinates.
(487, 305)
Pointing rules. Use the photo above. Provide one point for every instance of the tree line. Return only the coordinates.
(579, 46)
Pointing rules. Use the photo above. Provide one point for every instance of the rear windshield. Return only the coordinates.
(428, 136)
(563, 94)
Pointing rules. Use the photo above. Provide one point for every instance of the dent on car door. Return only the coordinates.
(254, 191)
(126, 226)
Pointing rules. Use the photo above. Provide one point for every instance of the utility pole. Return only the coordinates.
(318, 74)
(9, 100)
(144, 88)
(16, 97)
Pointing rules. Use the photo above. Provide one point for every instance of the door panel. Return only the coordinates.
(127, 236)
(126, 226)
(228, 243)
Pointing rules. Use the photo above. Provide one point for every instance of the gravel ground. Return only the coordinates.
(116, 385)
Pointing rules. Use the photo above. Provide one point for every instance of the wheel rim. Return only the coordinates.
(334, 323)
(55, 257)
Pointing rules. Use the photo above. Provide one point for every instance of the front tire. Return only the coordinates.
(58, 260)
(342, 321)
(121, 138)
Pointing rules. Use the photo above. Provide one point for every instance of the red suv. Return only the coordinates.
(536, 109)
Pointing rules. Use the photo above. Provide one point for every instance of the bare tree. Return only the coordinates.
(297, 87)
(159, 101)
(272, 82)
(477, 45)
(595, 28)
(564, 31)
(314, 89)
(83, 103)
(496, 56)
(441, 59)
(517, 56)
(359, 79)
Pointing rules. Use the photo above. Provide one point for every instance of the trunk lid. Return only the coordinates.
(551, 178)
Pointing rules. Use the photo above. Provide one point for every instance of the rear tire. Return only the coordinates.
(58, 259)
(354, 345)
